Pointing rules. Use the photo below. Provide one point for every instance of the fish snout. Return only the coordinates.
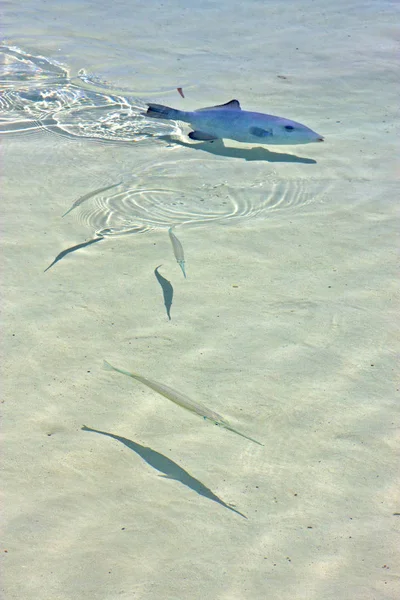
(320, 139)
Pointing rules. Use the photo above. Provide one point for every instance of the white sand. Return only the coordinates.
(285, 325)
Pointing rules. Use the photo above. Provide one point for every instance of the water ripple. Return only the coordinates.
(137, 207)
(38, 94)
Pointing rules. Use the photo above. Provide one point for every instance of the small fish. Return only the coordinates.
(183, 401)
(231, 122)
(90, 195)
(180, 91)
(178, 251)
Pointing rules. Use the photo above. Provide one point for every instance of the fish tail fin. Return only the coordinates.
(159, 111)
(107, 366)
(227, 426)
(181, 263)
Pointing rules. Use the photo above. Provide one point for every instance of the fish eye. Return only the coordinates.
(289, 127)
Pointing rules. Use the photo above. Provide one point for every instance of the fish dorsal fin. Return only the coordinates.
(232, 105)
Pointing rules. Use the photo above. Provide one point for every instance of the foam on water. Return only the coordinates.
(39, 94)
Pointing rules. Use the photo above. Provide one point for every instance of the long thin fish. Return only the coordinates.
(178, 251)
(90, 195)
(183, 401)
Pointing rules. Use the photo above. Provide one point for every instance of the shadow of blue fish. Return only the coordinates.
(256, 153)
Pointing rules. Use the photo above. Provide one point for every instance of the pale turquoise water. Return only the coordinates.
(285, 324)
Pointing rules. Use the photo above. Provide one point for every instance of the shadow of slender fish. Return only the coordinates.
(178, 250)
(168, 468)
(72, 249)
(183, 401)
(168, 290)
(90, 195)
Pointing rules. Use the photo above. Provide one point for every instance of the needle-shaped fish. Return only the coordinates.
(178, 250)
(90, 195)
(183, 401)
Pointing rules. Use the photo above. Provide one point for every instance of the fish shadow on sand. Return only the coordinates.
(167, 467)
(168, 291)
(218, 148)
(73, 249)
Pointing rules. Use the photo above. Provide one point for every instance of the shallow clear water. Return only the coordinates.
(284, 325)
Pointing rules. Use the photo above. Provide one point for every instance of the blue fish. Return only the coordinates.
(231, 122)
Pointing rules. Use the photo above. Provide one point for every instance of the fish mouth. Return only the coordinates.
(320, 139)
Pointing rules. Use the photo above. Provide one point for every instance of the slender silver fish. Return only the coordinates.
(178, 250)
(183, 401)
(231, 122)
(90, 195)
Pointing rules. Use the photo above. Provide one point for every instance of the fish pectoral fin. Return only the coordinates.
(260, 132)
(232, 104)
(200, 135)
